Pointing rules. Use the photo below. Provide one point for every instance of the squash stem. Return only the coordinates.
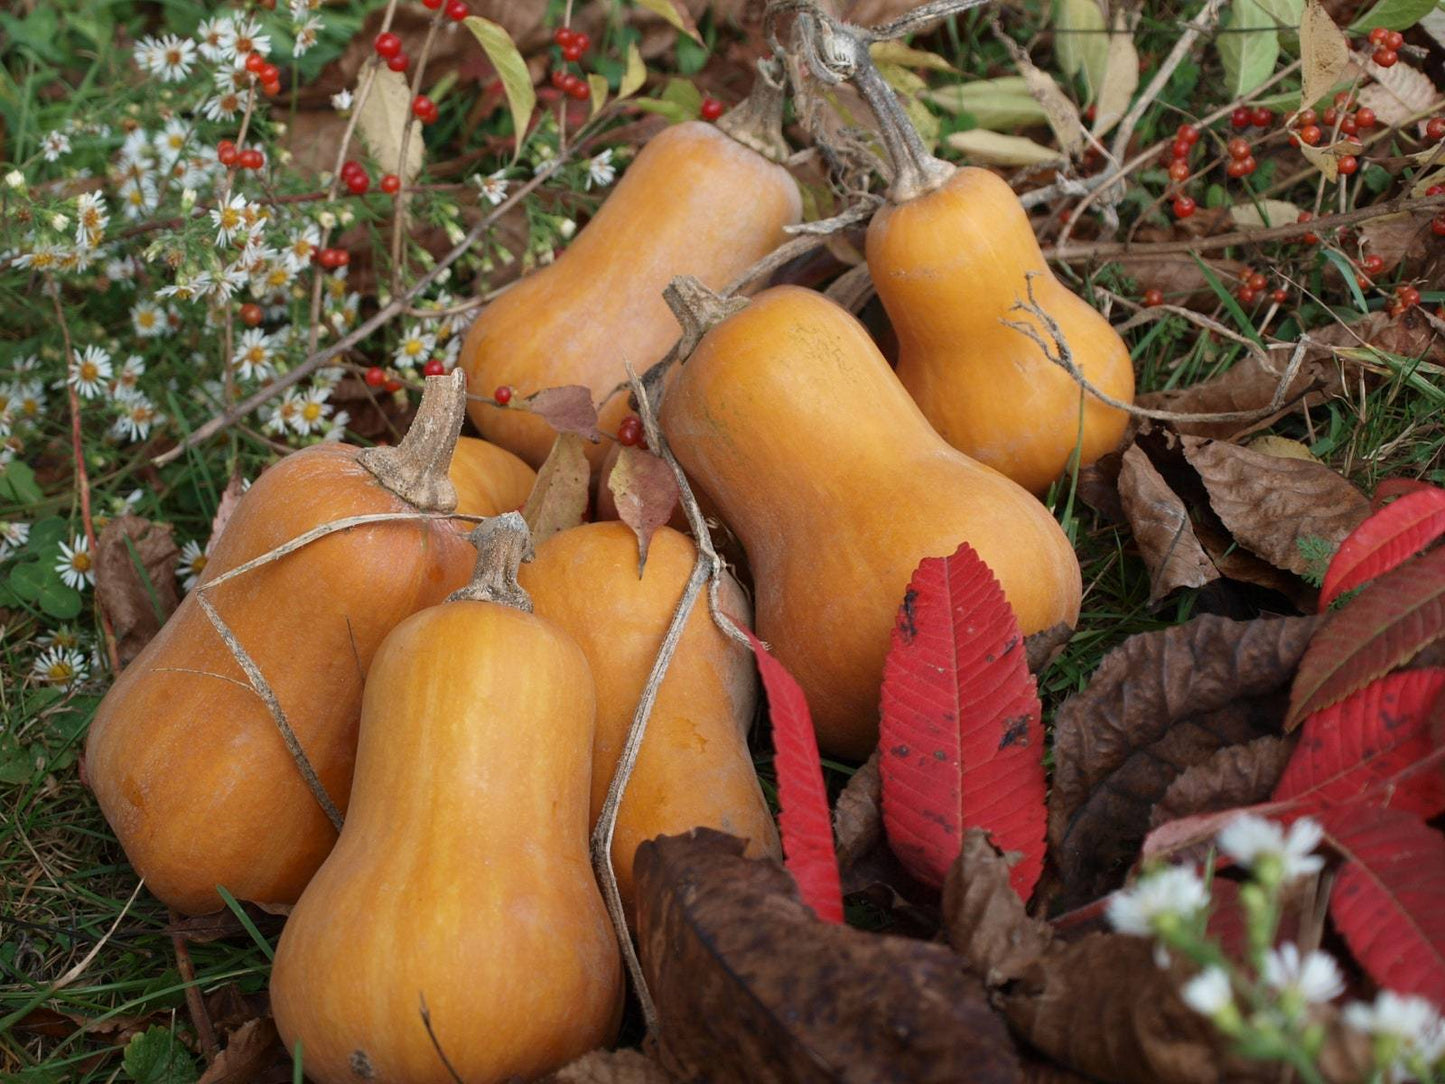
(757, 122)
(698, 309)
(503, 543)
(416, 469)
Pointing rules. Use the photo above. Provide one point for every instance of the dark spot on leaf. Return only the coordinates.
(940, 754)
(907, 624)
(1016, 731)
(899, 750)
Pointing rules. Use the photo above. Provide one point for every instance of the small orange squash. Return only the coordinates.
(461, 881)
(694, 769)
(789, 417)
(185, 759)
(489, 480)
(695, 202)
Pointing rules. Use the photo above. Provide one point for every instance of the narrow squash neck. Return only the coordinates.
(416, 469)
(698, 309)
(757, 122)
(503, 543)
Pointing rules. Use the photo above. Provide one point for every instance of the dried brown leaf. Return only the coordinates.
(644, 490)
(1159, 703)
(984, 919)
(568, 409)
(1180, 277)
(1398, 93)
(1271, 504)
(1248, 385)
(1409, 336)
(136, 599)
(1399, 237)
(1324, 53)
(1121, 76)
(559, 496)
(230, 498)
(1042, 647)
(1161, 527)
(611, 1067)
(858, 813)
(751, 987)
(1235, 775)
(251, 1048)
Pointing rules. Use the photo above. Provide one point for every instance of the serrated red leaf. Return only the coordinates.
(1389, 898)
(960, 738)
(1371, 747)
(804, 823)
(1388, 538)
(1385, 626)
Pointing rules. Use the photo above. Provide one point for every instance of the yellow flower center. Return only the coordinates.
(80, 562)
(145, 319)
(88, 372)
(60, 671)
(311, 411)
(198, 563)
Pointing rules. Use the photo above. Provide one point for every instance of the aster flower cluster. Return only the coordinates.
(1272, 1008)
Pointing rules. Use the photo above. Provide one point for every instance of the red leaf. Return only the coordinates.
(1389, 898)
(961, 741)
(1389, 537)
(1373, 741)
(1396, 487)
(1391, 620)
(803, 818)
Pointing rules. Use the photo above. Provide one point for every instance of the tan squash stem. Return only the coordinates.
(503, 543)
(757, 122)
(697, 309)
(416, 469)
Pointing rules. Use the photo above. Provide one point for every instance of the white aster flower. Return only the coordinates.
(172, 140)
(1314, 979)
(174, 58)
(1408, 1032)
(148, 320)
(1264, 847)
(90, 372)
(493, 187)
(138, 415)
(43, 257)
(29, 400)
(127, 381)
(1175, 893)
(301, 247)
(138, 196)
(600, 170)
(13, 535)
(306, 35)
(341, 101)
(53, 145)
(212, 34)
(282, 416)
(76, 566)
(242, 37)
(147, 54)
(224, 283)
(253, 354)
(224, 106)
(415, 347)
(1209, 992)
(192, 564)
(90, 219)
(120, 269)
(229, 219)
(60, 666)
(336, 428)
(311, 412)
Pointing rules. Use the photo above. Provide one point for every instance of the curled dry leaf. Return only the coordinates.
(858, 814)
(568, 409)
(559, 496)
(230, 498)
(1158, 704)
(1399, 93)
(1041, 648)
(1061, 113)
(752, 988)
(1232, 776)
(1272, 504)
(645, 493)
(1161, 527)
(1399, 237)
(251, 1048)
(611, 1067)
(1248, 385)
(135, 580)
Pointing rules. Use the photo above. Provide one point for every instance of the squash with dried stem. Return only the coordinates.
(790, 418)
(694, 769)
(461, 886)
(187, 762)
(698, 200)
(489, 480)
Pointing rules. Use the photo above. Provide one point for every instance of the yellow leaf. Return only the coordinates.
(1321, 160)
(1281, 448)
(1121, 78)
(674, 15)
(1270, 212)
(1324, 53)
(634, 76)
(511, 69)
(1002, 150)
(597, 84)
(382, 120)
(895, 52)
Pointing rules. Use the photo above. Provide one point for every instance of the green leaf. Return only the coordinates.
(28, 579)
(671, 110)
(1285, 13)
(1081, 42)
(597, 85)
(1348, 273)
(1394, 15)
(670, 14)
(1003, 104)
(511, 69)
(59, 601)
(16, 763)
(156, 1056)
(1248, 47)
(635, 75)
(47, 533)
(18, 484)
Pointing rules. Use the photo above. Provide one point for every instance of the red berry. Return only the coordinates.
(343, 257)
(1308, 238)
(1385, 58)
(503, 395)
(1343, 100)
(327, 258)
(398, 63)
(1365, 117)
(424, 109)
(390, 183)
(1307, 116)
(358, 183)
(1435, 190)
(432, 4)
(582, 41)
(1311, 134)
(392, 384)
(226, 153)
(1331, 115)
(559, 78)
(562, 35)
(1435, 128)
(1187, 132)
(350, 168)
(1378, 35)
(1248, 165)
(1153, 296)
(1181, 148)
(457, 10)
(434, 367)
(1373, 264)
(571, 51)
(1437, 226)
(254, 63)
(1262, 116)
(579, 90)
(387, 45)
(629, 431)
(1279, 295)
(1257, 281)
(1246, 295)
(250, 158)
(251, 314)
(1183, 206)
(1238, 148)
(1179, 170)
(711, 109)
(271, 88)
(1242, 117)
(1347, 164)
(1394, 40)
(375, 376)
(1348, 124)
(1236, 168)
(1408, 296)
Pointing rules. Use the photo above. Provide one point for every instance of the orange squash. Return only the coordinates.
(461, 881)
(789, 417)
(695, 202)
(693, 769)
(185, 759)
(489, 480)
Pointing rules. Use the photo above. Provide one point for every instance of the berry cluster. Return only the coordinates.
(1343, 118)
(1255, 284)
(231, 156)
(1185, 137)
(1241, 158)
(1244, 117)
(1387, 46)
(573, 45)
(267, 73)
(629, 432)
(389, 48)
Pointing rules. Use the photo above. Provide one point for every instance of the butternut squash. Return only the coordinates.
(789, 417)
(185, 759)
(489, 480)
(696, 201)
(694, 769)
(461, 881)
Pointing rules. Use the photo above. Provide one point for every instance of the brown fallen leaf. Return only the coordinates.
(1410, 335)
(751, 987)
(1394, 238)
(559, 496)
(1161, 527)
(250, 1048)
(568, 409)
(611, 1067)
(1271, 504)
(1042, 647)
(1158, 704)
(644, 491)
(135, 580)
(1249, 385)
(1180, 277)
(858, 813)
(1235, 775)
